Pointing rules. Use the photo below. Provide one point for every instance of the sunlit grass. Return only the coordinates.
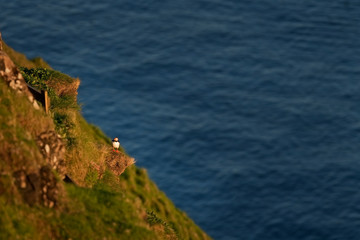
(100, 204)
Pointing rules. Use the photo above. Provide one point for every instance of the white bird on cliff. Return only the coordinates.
(116, 144)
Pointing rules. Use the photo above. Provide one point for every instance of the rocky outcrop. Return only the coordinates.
(117, 162)
(53, 150)
(12, 76)
(37, 187)
(49, 188)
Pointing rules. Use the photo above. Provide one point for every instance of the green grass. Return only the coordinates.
(97, 213)
(13, 223)
(129, 206)
(64, 126)
(40, 78)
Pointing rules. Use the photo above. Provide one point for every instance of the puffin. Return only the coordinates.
(116, 144)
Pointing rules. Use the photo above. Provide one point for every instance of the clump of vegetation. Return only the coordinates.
(41, 79)
(64, 126)
(36, 77)
(47, 80)
(169, 230)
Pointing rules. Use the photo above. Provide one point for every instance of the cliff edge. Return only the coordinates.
(59, 178)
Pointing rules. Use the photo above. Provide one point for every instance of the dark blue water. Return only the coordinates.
(246, 113)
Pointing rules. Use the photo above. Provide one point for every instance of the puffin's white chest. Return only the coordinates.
(116, 144)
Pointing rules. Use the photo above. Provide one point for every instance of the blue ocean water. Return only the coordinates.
(244, 112)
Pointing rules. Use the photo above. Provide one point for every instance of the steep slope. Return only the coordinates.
(108, 197)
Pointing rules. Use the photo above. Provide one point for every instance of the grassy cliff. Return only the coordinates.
(100, 203)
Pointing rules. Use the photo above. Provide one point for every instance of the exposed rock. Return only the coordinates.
(53, 150)
(12, 76)
(37, 188)
(49, 187)
(28, 185)
(118, 162)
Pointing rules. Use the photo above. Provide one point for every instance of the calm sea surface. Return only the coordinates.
(246, 113)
